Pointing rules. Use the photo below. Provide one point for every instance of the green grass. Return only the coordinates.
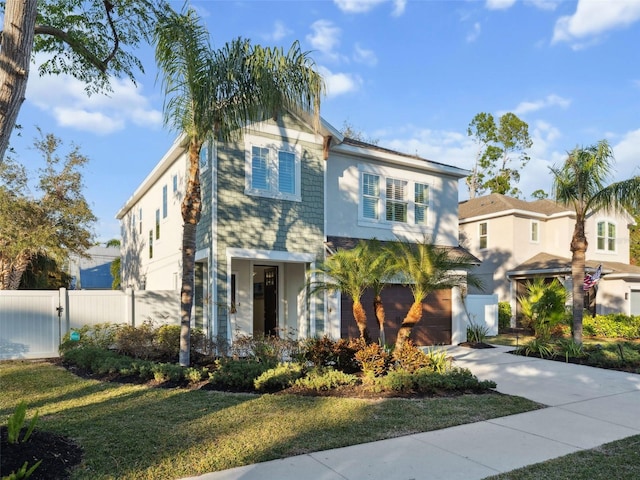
(620, 459)
(137, 432)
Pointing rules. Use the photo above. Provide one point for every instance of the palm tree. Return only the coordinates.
(380, 269)
(544, 305)
(581, 183)
(344, 271)
(213, 95)
(425, 268)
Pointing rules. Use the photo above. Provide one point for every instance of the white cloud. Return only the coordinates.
(626, 155)
(362, 55)
(547, 102)
(279, 31)
(592, 19)
(100, 114)
(363, 6)
(340, 83)
(499, 4)
(475, 33)
(325, 36)
(544, 4)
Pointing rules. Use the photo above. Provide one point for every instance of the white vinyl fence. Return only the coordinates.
(33, 322)
(483, 310)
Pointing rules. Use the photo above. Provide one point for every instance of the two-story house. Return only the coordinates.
(276, 201)
(518, 240)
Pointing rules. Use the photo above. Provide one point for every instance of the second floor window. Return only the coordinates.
(157, 224)
(606, 232)
(535, 231)
(273, 171)
(164, 201)
(483, 233)
(402, 201)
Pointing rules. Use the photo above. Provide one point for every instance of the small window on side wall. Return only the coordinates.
(483, 231)
(535, 231)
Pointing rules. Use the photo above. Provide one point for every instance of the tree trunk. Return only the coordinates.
(380, 317)
(413, 316)
(191, 209)
(579, 246)
(11, 271)
(361, 320)
(15, 57)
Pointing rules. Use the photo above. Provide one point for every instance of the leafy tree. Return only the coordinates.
(425, 268)
(350, 131)
(88, 39)
(214, 95)
(540, 194)
(492, 169)
(54, 225)
(44, 273)
(581, 183)
(344, 271)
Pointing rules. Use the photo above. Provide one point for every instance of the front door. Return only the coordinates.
(271, 301)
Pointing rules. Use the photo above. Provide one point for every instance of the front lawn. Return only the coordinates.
(139, 432)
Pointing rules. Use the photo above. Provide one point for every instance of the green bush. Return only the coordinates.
(322, 379)
(167, 372)
(537, 346)
(324, 352)
(136, 342)
(410, 358)
(397, 381)
(543, 307)
(235, 374)
(614, 325)
(504, 316)
(373, 359)
(476, 332)
(439, 361)
(282, 376)
(101, 335)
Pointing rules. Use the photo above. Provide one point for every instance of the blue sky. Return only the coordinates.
(411, 74)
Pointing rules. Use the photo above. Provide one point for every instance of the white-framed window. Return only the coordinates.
(158, 224)
(606, 236)
(164, 201)
(140, 219)
(534, 236)
(272, 170)
(401, 200)
(174, 180)
(483, 235)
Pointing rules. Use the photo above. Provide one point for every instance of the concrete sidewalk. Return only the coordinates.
(587, 407)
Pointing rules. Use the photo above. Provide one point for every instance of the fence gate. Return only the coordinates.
(29, 324)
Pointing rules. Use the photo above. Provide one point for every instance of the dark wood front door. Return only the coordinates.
(271, 301)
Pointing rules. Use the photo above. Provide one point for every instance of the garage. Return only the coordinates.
(433, 329)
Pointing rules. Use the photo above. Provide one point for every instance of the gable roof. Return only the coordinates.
(496, 204)
(545, 263)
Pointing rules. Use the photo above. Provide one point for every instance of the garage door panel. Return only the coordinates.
(433, 329)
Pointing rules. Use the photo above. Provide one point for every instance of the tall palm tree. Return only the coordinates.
(344, 271)
(212, 95)
(581, 183)
(425, 268)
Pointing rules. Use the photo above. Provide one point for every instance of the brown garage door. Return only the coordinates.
(433, 329)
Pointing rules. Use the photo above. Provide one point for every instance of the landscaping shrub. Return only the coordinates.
(136, 342)
(101, 335)
(324, 352)
(439, 362)
(282, 376)
(615, 325)
(477, 333)
(397, 381)
(410, 358)
(373, 359)
(235, 374)
(267, 349)
(543, 306)
(504, 316)
(569, 348)
(322, 379)
(537, 346)
(426, 381)
(163, 372)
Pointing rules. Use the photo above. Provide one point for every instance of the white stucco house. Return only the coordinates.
(276, 201)
(518, 240)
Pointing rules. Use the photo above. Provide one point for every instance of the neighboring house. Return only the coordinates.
(275, 203)
(518, 240)
(93, 272)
